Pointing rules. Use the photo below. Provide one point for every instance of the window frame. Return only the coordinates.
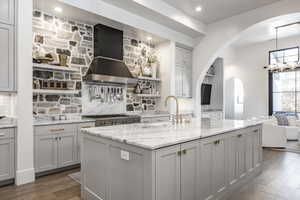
(271, 111)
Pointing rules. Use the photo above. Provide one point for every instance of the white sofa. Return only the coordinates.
(277, 136)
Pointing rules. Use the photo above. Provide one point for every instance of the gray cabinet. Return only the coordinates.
(46, 152)
(67, 149)
(189, 171)
(183, 72)
(55, 147)
(168, 173)
(7, 9)
(177, 172)
(213, 167)
(7, 65)
(7, 154)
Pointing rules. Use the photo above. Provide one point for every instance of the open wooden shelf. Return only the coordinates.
(54, 67)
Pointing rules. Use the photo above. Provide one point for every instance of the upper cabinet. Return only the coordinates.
(7, 8)
(7, 46)
(7, 64)
(183, 72)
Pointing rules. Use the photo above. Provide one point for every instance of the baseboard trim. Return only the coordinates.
(55, 171)
(25, 176)
(7, 182)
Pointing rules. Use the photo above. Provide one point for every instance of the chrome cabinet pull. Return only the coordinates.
(87, 127)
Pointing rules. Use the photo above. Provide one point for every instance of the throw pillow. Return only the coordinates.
(282, 120)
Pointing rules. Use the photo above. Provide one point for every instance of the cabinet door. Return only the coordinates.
(7, 166)
(45, 152)
(7, 11)
(7, 58)
(205, 170)
(219, 169)
(67, 149)
(241, 158)
(249, 151)
(189, 170)
(168, 173)
(213, 169)
(232, 160)
(257, 148)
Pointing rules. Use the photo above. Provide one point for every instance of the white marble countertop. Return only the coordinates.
(44, 122)
(157, 135)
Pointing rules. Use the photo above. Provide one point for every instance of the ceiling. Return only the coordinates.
(215, 10)
(80, 15)
(265, 31)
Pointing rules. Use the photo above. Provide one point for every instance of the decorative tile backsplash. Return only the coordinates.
(58, 36)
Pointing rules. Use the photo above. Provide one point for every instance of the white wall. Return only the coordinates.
(246, 63)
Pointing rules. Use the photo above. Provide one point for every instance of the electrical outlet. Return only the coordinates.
(124, 155)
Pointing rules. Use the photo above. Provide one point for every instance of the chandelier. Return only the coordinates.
(275, 67)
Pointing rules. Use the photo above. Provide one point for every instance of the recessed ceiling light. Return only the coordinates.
(149, 38)
(198, 9)
(58, 9)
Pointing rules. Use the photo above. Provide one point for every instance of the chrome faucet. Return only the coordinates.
(178, 116)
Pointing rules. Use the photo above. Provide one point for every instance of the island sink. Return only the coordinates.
(163, 161)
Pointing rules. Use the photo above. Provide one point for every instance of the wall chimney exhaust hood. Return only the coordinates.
(108, 65)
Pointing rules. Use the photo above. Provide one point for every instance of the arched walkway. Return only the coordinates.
(222, 34)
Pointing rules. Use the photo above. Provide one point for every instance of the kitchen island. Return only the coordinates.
(165, 161)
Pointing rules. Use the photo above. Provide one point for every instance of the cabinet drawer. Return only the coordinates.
(7, 133)
(55, 129)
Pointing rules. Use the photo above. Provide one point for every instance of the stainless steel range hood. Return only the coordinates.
(108, 65)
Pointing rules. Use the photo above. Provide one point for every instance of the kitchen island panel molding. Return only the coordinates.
(191, 170)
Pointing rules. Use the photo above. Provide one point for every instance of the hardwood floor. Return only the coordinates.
(280, 180)
(54, 187)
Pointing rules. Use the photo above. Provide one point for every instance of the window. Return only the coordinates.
(284, 86)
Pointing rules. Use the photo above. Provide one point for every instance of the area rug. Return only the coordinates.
(75, 177)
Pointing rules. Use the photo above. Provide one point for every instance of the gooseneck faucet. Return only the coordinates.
(178, 118)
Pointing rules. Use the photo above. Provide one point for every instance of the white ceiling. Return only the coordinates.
(80, 15)
(215, 10)
(265, 31)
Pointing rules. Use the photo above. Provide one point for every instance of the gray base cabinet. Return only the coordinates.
(7, 154)
(209, 168)
(57, 146)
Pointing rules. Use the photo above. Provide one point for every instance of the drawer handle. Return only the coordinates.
(255, 131)
(2, 134)
(217, 142)
(56, 130)
(239, 135)
(87, 127)
(184, 151)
